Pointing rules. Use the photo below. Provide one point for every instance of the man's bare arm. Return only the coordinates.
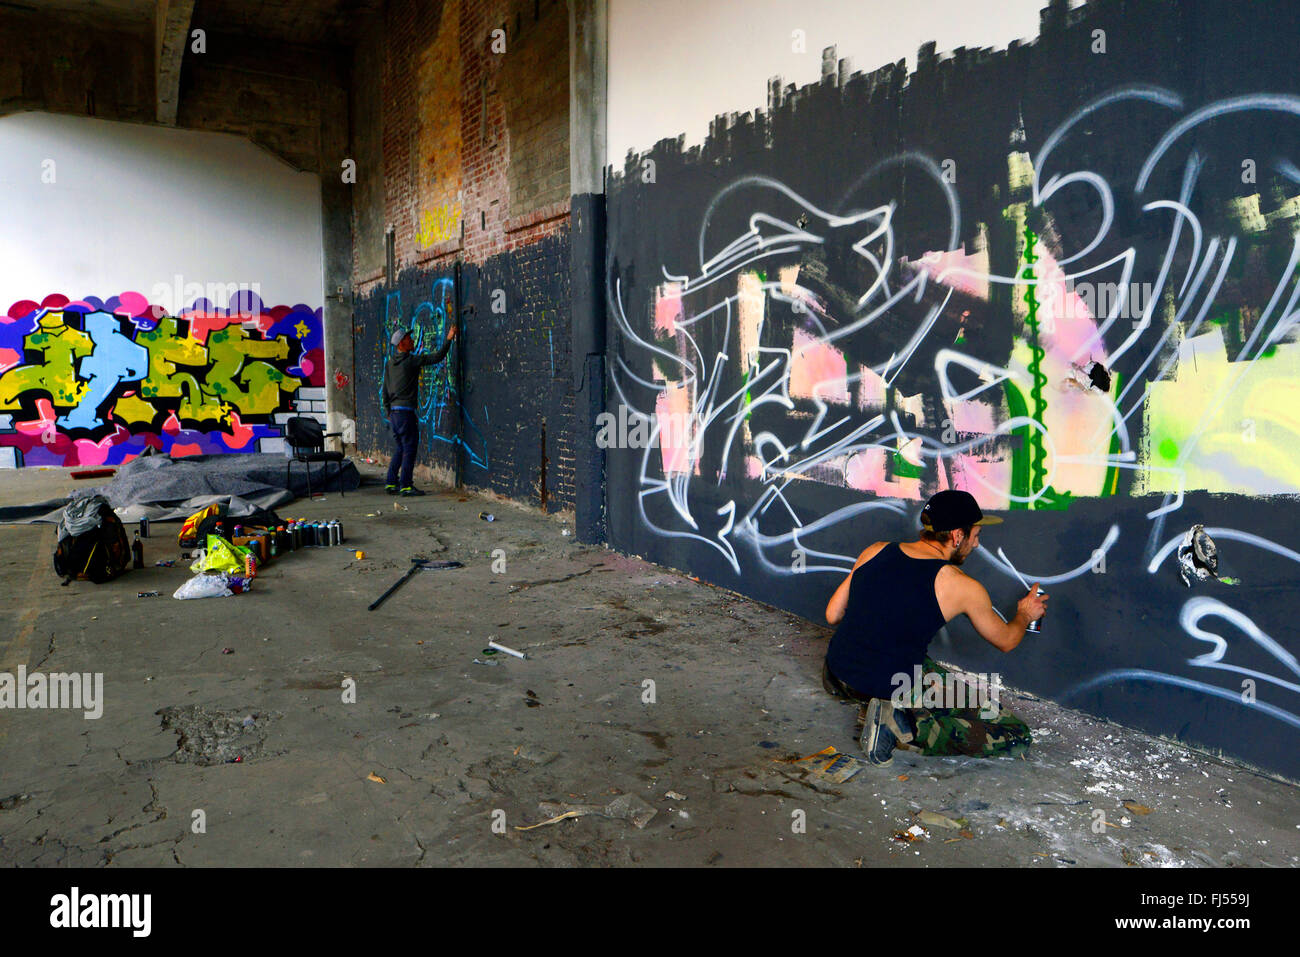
(835, 608)
(974, 602)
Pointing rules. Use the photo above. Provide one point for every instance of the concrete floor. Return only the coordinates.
(463, 746)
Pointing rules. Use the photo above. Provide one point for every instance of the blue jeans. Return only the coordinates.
(406, 437)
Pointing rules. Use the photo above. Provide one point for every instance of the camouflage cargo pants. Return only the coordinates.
(949, 731)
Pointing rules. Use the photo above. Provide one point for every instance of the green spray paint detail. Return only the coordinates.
(905, 469)
(1020, 454)
(1027, 468)
(1111, 484)
(1037, 453)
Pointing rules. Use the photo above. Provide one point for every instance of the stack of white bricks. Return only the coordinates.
(8, 456)
(307, 402)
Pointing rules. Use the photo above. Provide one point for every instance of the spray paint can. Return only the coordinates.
(1036, 626)
(340, 525)
(487, 516)
(144, 528)
(337, 535)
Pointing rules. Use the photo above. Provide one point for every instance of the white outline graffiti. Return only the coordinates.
(830, 439)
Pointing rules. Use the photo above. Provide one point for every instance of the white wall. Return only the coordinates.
(132, 206)
(675, 64)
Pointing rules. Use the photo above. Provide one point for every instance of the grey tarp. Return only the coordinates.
(159, 488)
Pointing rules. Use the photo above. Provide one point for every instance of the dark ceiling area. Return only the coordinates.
(304, 22)
(329, 23)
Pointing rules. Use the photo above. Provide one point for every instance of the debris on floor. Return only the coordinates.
(830, 764)
(912, 834)
(624, 807)
(935, 819)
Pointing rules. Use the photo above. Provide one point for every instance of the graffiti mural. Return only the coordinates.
(427, 313)
(500, 409)
(94, 382)
(1080, 307)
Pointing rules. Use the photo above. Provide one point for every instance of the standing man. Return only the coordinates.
(889, 608)
(401, 400)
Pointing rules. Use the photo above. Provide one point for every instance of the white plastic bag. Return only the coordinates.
(204, 586)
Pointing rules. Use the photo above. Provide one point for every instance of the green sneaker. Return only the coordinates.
(408, 491)
(390, 489)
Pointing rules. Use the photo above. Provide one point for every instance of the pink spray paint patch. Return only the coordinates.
(958, 270)
(96, 453)
(132, 304)
(668, 307)
(817, 370)
(673, 415)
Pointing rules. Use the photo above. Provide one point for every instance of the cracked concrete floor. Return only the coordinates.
(462, 746)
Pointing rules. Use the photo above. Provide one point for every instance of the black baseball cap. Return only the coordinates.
(952, 509)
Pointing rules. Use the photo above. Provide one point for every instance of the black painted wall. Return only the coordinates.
(508, 412)
(1120, 642)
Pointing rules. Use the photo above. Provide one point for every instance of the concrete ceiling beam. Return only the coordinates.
(172, 30)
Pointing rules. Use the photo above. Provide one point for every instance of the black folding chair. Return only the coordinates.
(307, 440)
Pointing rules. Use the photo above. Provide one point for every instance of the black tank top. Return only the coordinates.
(892, 615)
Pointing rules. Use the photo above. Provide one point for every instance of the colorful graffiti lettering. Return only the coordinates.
(93, 381)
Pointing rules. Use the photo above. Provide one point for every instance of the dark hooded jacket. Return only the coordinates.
(402, 377)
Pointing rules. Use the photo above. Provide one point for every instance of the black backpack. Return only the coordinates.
(92, 543)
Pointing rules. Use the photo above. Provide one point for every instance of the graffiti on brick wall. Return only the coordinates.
(438, 226)
(92, 381)
(428, 318)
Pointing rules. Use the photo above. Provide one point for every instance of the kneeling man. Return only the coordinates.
(887, 611)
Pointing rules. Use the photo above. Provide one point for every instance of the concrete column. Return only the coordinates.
(588, 57)
(171, 36)
(336, 222)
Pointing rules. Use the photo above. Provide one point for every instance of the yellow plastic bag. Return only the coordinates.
(221, 556)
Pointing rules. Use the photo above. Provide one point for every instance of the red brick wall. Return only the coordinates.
(503, 181)
(471, 147)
